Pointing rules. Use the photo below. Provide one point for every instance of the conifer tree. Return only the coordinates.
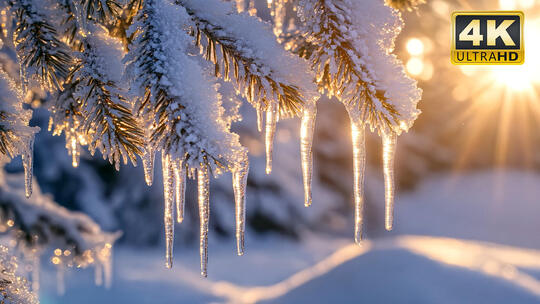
(139, 77)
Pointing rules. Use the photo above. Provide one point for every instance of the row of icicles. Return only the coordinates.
(175, 173)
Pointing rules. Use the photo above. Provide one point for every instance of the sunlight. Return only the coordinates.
(522, 77)
(503, 92)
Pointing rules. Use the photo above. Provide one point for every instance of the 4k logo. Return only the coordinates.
(482, 37)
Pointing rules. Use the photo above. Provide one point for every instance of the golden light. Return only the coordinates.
(526, 3)
(516, 4)
(415, 66)
(513, 78)
(495, 105)
(56, 260)
(519, 78)
(507, 4)
(415, 47)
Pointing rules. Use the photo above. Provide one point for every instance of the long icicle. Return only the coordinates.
(148, 165)
(27, 160)
(204, 215)
(260, 118)
(270, 133)
(168, 196)
(306, 144)
(180, 185)
(240, 174)
(389, 151)
(359, 164)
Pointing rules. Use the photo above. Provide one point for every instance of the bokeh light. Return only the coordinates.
(415, 47)
(415, 66)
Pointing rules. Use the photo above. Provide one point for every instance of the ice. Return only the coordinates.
(270, 133)
(359, 166)
(389, 151)
(168, 197)
(180, 188)
(204, 215)
(27, 159)
(306, 144)
(148, 165)
(240, 174)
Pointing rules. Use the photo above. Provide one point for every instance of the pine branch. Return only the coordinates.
(101, 11)
(77, 13)
(39, 222)
(14, 288)
(41, 52)
(182, 104)
(236, 57)
(124, 20)
(93, 106)
(341, 68)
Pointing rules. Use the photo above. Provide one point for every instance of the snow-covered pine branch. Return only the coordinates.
(352, 43)
(185, 111)
(353, 65)
(41, 52)
(14, 289)
(177, 106)
(38, 223)
(99, 115)
(101, 11)
(77, 15)
(244, 49)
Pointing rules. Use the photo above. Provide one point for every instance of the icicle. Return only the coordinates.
(98, 274)
(240, 174)
(359, 164)
(27, 160)
(74, 151)
(35, 272)
(204, 215)
(259, 118)
(240, 5)
(107, 266)
(148, 164)
(271, 121)
(389, 151)
(252, 10)
(168, 196)
(60, 283)
(180, 185)
(306, 143)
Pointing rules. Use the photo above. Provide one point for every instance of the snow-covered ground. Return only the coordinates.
(458, 239)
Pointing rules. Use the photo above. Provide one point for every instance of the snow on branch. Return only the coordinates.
(98, 114)
(243, 48)
(352, 42)
(101, 11)
(38, 223)
(186, 117)
(185, 108)
(14, 289)
(41, 52)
